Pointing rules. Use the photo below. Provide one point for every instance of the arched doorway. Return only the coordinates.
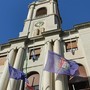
(79, 82)
(33, 78)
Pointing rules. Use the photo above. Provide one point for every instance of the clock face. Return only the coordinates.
(38, 24)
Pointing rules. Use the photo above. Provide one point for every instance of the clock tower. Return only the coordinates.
(29, 52)
(42, 29)
(43, 15)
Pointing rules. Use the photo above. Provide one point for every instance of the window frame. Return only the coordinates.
(72, 48)
(39, 13)
(37, 54)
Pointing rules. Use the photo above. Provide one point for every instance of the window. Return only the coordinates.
(38, 32)
(71, 45)
(42, 11)
(79, 82)
(2, 60)
(33, 78)
(35, 53)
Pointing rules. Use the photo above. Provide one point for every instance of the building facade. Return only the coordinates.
(42, 32)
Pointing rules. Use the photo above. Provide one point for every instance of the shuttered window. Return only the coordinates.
(2, 60)
(42, 11)
(35, 52)
(71, 45)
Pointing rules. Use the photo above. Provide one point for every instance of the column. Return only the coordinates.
(59, 81)
(52, 7)
(21, 87)
(5, 75)
(30, 12)
(18, 61)
(47, 83)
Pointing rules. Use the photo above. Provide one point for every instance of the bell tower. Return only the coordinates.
(43, 15)
(42, 28)
(29, 52)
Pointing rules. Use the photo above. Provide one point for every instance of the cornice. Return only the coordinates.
(5, 45)
(11, 41)
(66, 32)
(37, 37)
(18, 39)
(40, 17)
(38, 3)
(51, 32)
(70, 30)
(3, 54)
(82, 26)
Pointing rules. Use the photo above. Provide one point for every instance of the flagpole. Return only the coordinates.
(23, 84)
(26, 60)
(33, 51)
(73, 87)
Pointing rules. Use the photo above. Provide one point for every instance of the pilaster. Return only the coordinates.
(47, 77)
(5, 75)
(59, 80)
(12, 85)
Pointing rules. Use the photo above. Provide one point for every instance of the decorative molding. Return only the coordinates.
(37, 37)
(82, 26)
(50, 32)
(3, 53)
(4, 44)
(18, 39)
(69, 39)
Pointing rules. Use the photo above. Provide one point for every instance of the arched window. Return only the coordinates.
(33, 78)
(42, 11)
(79, 82)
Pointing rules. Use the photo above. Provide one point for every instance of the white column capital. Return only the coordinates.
(49, 41)
(52, 1)
(8, 51)
(21, 48)
(57, 39)
(31, 5)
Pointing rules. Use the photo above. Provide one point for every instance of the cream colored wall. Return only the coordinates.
(84, 35)
(49, 19)
(3, 52)
(78, 53)
(82, 55)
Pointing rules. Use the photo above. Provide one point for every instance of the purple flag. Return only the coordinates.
(58, 64)
(16, 74)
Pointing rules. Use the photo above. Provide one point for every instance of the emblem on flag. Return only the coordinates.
(58, 64)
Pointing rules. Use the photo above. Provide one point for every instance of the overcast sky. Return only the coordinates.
(14, 12)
